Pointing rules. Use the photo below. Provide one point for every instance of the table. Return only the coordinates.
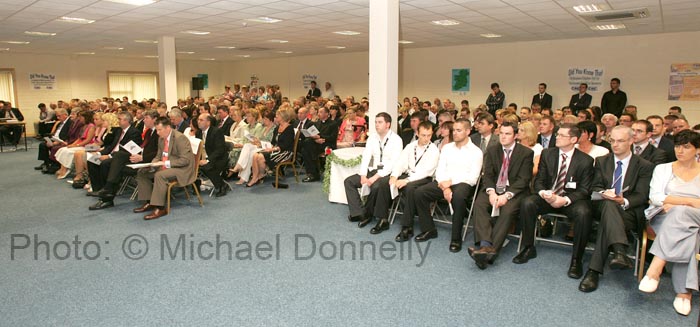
(24, 131)
(338, 172)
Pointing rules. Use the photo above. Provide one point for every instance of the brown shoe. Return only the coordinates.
(145, 207)
(156, 214)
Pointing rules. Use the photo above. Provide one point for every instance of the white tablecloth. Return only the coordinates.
(336, 188)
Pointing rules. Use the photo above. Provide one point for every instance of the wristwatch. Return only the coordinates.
(509, 195)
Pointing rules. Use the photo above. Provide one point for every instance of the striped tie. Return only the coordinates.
(561, 177)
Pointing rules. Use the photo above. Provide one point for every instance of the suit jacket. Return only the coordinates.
(180, 128)
(653, 155)
(132, 134)
(138, 125)
(577, 104)
(476, 139)
(149, 145)
(315, 92)
(546, 101)
(63, 135)
(226, 127)
(180, 156)
(519, 168)
(15, 111)
(552, 140)
(307, 124)
(636, 182)
(666, 144)
(580, 171)
(408, 137)
(214, 144)
(328, 131)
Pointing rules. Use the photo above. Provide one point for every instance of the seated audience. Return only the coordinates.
(444, 134)
(214, 159)
(47, 116)
(314, 146)
(59, 131)
(282, 148)
(659, 139)
(351, 130)
(107, 124)
(65, 155)
(588, 135)
(10, 133)
(642, 131)
(527, 136)
(245, 159)
(484, 138)
(237, 134)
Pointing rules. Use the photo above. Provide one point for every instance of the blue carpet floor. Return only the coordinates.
(273, 278)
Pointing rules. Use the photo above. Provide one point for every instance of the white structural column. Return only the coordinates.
(167, 68)
(383, 59)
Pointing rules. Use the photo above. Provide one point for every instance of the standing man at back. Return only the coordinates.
(614, 101)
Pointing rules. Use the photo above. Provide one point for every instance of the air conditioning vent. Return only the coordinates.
(626, 14)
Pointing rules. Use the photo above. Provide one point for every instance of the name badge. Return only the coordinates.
(570, 185)
(165, 154)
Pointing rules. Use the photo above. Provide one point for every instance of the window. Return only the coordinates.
(135, 86)
(7, 86)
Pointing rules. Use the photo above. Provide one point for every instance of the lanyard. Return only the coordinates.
(415, 154)
(381, 148)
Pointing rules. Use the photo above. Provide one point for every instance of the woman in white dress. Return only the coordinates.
(237, 134)
(66, 154)
(245, 160)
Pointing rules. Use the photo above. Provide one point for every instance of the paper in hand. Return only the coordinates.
(93, 157)
(394, 191)
(311, 131)
(132, 147)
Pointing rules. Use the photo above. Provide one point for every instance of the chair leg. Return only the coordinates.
(187, 193)
(168, 201)
(643, 256)
(134, 194)
(296, 176)
(277, 176)
(199, 197)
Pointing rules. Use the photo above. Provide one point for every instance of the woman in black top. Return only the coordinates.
(282, 148)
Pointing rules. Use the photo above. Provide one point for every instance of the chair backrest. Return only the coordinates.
(294, 152)
(198, 158)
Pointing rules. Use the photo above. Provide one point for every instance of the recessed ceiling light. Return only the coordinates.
(278, 41)
(490, 35)
(335, 47)
(146, 41)
(244, 56)
(224, 47)
(196, 32)
(113, 48)
(185, 52)
(84, 53)
(4, 49)
(15, 42)
(405, 42)
(286, 52)
(151, 56)
(584, 9)
(267, 20)
(39, 33)
(75, 20)
(134, 2)
(445, 22)
(347, 33)
(209, 59)
(608, 27)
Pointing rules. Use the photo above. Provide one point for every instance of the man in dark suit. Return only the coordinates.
(13, 133)
(658, 140)
(313, 146)
(111, 170)
(138, 119)
(622, 179)
(542, 98)
(59, 130)
(224, 122)
(547, 136)
(178, 120)
(562, 185)
(642, 130)
(485, 125)
(302, 121)
(215, 159)
(411, 135)
(127, 133)
(581, 100)
(614, 101)
(506, 181)
(314, 92)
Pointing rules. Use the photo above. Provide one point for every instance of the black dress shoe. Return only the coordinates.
(455, 246)
(79, 184)
(310, 179)
(105, 194)
(481, 256)
(101, 205)
(40, 167)
(93, 193)
(365, 221)
(576, 269)
(621, 261)
(589, 282)
(354, 219)
(222, 191)
(529, 252)
(424, 236)
(405, 234)
(381, 226)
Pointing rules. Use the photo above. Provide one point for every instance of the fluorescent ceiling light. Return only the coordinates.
(151, 56)
(335, 47)
(267, 20)
(405, 42)
(209, 59)
(85, 53)
(347, 33)
(75, 20)
(584, 9)
(224, 47)
(185, 52)
(4, 49)
(15, 42)
(39, 33)
(286, 52)
(490, 35)
(608, 27)
(134, 2)
(113, 48)
(244, 56)
(196, 32)
(445, 22)
(278, 41)
(146, 41)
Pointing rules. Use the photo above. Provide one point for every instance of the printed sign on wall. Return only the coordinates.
(684, 82)
(42, 81)
(593, 76)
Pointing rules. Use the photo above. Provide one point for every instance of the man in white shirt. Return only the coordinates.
(329, 92)
(415, 168)
(458, 170)
(381, 153)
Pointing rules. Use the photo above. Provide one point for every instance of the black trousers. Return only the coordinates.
(408, 195)
(426, 194)
(355, 206)
(11, 134)
(613, 227)
(578, 211)
(213, 170)
(43, 153)
(494, 229)
(98, 173)
(310, 151)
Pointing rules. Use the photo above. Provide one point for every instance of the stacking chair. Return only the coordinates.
(291, 162)
(197, 158)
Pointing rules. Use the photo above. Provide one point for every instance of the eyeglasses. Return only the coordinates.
(561, 135)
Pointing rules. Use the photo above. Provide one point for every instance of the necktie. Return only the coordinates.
(204, 142)
(637, 150)
(221, 124)
(503, 175)
(483, 144)
(166, 149)
(653, 142)
(617, 178)
(301, 124)
(545, 142)
(121, 137)
(541, 97)
(561, 177)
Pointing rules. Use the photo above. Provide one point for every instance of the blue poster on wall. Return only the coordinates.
(460, 80)
(205, 80)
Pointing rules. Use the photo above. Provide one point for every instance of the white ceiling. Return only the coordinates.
(308, 24)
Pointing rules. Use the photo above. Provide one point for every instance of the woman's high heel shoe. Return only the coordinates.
(648, 285)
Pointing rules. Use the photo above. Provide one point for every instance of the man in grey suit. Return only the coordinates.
(174, 161)
(485, 125)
